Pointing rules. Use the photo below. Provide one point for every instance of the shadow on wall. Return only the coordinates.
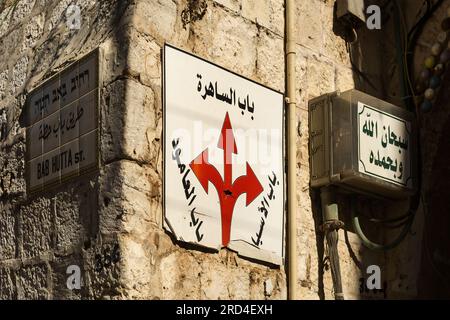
(434, 275)
(374, 56)
(376, 71)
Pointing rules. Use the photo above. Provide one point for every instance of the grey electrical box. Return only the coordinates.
(350, 10)
(363, 144)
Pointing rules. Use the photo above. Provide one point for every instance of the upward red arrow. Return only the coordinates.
(227, 191)
(228, 144)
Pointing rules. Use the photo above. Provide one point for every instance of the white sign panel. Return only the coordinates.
(223, 158)
(384, 146)
(62, 120)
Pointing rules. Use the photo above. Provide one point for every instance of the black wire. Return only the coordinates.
(422, 19)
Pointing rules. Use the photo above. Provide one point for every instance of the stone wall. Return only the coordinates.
(110, 223)
(41, 235)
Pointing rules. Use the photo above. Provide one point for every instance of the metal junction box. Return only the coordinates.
(362, 144)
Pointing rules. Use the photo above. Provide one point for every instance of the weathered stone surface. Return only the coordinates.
(111, 222)
(12, 174)
(8, 227)
(33, 31)
(126, 129)
(320, 76)
(69, 231)
(8, 288)
(310, 34)
(19, 74)
(268, 14)
(36, 227)
(156, 18)
(33, 282)
(234, 5)
(270, 61)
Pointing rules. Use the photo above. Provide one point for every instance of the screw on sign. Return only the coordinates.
(227, 191)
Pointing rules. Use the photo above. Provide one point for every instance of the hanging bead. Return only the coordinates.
(426, 106)
(435, 82)
(429, 94)
(439, 69)
(430, 62)
(442, 37)
(425, 75)
(445, 56)
(436, 49)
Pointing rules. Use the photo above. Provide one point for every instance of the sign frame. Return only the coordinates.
(409, 180)
(80, 173)
(252, 254)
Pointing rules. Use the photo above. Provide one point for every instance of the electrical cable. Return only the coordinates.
(372, 245)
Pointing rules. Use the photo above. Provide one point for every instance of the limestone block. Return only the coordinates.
(217, 38)
(12, 170)
(102, 269)
(138, 274)
(156, 18)
(310, 28)
(58, 14)
(301, 67)
(127, 110)
(302, 138)
(69, 232)
(233, 5)
(4, 83)
(321, 74)
(270, 61)
(21, 9)
(180, 277)
(33, 31)
(344, 79)
(19, 74)
(32, 282)
(36, 227)
(8, 225)
(5, 17)
(8, 289)
(269, 14)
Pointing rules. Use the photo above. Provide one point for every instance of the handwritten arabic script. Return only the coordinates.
(188, 192)
(228, 96)
(265, 207)
(384, 145)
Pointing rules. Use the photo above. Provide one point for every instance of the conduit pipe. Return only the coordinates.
(291, 147)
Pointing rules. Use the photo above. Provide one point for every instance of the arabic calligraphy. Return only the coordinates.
(188, 191)
(227, 96)
(384, 145)
(61, 125)
(264, 208)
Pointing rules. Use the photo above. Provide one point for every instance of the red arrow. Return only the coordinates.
(248, 184)
(227, 191)
(228, 144)
(205, 172)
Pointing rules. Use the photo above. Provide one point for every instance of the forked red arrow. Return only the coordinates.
(227, 191)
